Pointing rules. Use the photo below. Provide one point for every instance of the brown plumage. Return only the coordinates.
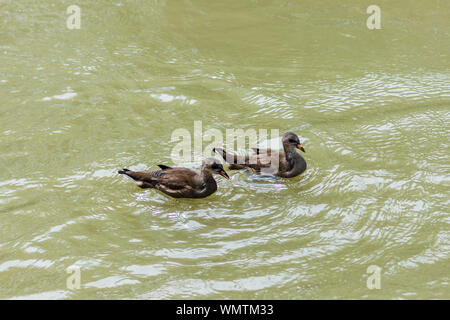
(290, 162)
(180, 182)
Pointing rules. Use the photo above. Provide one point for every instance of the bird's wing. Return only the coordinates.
(178, 182)
(262, 151)
(263, 158)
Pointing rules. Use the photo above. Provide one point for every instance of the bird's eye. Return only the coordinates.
(292, 141)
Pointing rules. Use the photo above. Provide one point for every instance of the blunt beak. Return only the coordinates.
(299, 146)
(224, 174)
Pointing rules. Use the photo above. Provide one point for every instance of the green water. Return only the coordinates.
(372, 108)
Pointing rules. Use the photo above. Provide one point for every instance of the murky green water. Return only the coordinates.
(371, 106)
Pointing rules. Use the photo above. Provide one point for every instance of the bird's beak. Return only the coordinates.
(224, 174)
(299, 146)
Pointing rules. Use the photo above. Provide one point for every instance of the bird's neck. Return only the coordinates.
(289, 151)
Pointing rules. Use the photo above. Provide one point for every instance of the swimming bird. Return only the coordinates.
(290, 162)
(180, 182)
